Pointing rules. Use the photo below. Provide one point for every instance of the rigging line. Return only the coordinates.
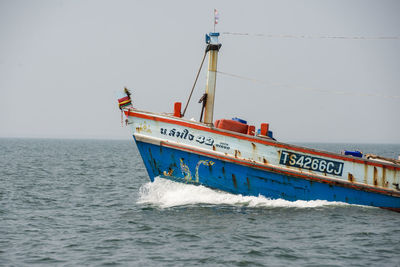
(240, 77)
(288, 36)
(195, 81)
(310, 88)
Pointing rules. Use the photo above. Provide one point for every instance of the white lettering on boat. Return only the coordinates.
(186, 135)
(308, 162)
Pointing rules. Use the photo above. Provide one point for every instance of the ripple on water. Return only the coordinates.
(76, 202)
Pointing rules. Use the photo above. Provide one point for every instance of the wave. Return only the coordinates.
(166, 194)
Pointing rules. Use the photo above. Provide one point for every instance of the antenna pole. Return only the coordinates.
(216, 17)
(212, 49)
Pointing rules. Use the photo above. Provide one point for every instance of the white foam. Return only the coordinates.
(165, 194)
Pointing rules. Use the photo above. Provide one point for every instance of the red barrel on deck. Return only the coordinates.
(231, 125)
(177, 109)
(264, 129)
(251, 130)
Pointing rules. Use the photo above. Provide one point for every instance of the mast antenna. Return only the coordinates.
(216, 17)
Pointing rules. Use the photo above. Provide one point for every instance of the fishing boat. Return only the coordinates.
(232, 156)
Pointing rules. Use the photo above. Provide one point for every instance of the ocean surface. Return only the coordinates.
(89, 202)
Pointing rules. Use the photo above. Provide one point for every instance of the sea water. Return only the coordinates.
(86, 202)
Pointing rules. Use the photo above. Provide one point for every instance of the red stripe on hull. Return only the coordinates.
(253, 139)
(275, 170)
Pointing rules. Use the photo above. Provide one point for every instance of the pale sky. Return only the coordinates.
(61, 63)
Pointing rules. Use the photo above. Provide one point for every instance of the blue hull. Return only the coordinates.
(188, 167)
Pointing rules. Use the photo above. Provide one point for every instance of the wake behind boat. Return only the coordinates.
(230, 155)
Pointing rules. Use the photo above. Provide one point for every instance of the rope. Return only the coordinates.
(288, 36)
(240, 77)
(195, 81)
(311, 89)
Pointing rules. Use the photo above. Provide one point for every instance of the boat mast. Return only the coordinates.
(212, 48)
